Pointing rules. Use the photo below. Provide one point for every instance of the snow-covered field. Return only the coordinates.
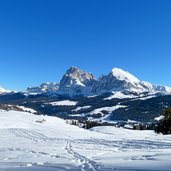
(41, 143)
(64, 103)
(108, 109)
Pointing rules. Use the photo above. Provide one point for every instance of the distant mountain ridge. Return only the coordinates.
(76, 82)
(3, 90)
(44, 88)
(117, 96)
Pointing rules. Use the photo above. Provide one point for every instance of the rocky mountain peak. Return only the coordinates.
(72, 70)
(76, 82)
(79, 74)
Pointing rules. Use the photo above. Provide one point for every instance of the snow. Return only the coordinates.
(26, 109)
(26, 145)
(43, 88)
(149, 86)
(64, 103)
(2, 90)
(109, 109)
(144, 97)
(78, 82)
(81, 108)
(124, 75)
(128, 126)
(159, 118)
(119, 95)
(92, 96)
(167, 89)
(147, 97)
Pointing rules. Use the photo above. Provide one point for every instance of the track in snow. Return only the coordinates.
(33, 135)
(85, 163)
(28, 134)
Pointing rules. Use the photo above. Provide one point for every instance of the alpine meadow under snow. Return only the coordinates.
(43, 143)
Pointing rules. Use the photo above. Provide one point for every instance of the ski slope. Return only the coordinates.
(42, 143)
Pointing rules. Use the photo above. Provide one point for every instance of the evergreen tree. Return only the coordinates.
(164, 125)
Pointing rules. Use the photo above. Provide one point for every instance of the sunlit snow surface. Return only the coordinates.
(26, 144)
(64, 103)
(124, 75)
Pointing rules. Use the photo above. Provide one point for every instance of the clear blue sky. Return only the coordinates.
(41, 39)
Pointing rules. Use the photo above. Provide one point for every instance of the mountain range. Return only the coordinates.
(76, 82)
(117, 96)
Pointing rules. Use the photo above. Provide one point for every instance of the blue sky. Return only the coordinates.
(41, 39)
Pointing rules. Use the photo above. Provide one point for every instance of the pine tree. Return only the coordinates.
(164, 126)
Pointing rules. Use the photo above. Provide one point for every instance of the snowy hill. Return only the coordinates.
(35, 142)
(3, 91)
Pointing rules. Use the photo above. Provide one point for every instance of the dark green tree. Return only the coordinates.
(164, 125)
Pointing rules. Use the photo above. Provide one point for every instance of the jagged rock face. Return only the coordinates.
(76, 82)
(44, 88)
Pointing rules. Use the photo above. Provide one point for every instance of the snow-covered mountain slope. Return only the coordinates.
(107, 109)
(118, 80)
(124, 75)
(122, 81)
(34, 142)
(3, 91)
(77, 82)
(164, 89)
